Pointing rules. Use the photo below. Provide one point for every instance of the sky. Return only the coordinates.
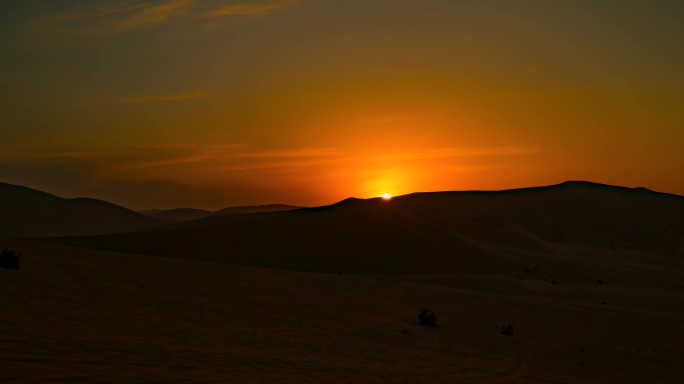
(214, 103)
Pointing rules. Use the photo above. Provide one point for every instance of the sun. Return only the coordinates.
(386, 196)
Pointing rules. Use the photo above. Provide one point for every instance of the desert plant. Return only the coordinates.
(9, 259)
(427, 318)
(507, 330)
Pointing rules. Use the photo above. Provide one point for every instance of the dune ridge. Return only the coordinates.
(32, 213)
(577, 225)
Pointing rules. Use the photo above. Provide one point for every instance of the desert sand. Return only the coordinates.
(591, 278)
(74, 315)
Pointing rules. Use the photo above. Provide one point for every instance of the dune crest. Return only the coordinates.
(33, 213)
(569, 226)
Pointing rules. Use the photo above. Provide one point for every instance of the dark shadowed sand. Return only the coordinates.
(74, 315)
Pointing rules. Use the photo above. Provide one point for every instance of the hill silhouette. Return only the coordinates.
(573, 228)
(31, 213)
(239, 210)
(215, 217)
(178, 214)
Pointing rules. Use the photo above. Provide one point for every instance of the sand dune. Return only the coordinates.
(179, 214)
(31, 213)
(75, 315)
(572, 231)
(204, 217)
(590, 276)
(255, 209)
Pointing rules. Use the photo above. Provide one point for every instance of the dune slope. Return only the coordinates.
(570, 231)
(180, 214)
(31, 213)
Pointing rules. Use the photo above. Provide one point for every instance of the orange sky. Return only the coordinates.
(161, 104)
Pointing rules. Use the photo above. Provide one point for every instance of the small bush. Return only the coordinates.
(9, 259)
(507, 330)
(427, 318)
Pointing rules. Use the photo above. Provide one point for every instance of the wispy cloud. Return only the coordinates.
(293, 153)
(159, 98)
(153, 14)
(238, 159)
(231, 156)
(111, 17)
(253, 8)
(184, 166)
(445, 153)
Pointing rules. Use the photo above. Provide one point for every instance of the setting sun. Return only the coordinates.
(386, 196)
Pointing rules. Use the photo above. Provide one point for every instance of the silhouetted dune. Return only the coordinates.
(179, 214)
(239, 210)
(31, 213)
(573, 227)
(238, 214)
(222, 216)
(577, 213)
(218, 220)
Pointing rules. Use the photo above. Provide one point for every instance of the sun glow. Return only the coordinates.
(386, 196)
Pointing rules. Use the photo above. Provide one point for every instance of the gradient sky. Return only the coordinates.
(211, 103)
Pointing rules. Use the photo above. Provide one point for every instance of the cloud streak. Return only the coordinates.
(253, 8)
(112, 17)
(183, 96)
(236, 156)
(446, 153)
(213, 165)
(153, 14)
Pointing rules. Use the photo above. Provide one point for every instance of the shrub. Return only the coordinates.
(427, 318)
(9, 259)
(507, 330)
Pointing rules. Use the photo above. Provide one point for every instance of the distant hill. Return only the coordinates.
(239, 214)
(28, 212)
(179, 214)
(194, 217)
(563, 228)
(255, 209)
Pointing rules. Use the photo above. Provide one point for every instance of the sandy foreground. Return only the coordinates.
(74, 315)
